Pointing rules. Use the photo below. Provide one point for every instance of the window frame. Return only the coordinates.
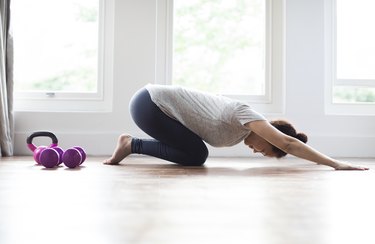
(273, 101)
(99, 101)
(331, 80)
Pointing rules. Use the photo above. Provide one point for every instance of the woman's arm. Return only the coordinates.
(295, 147)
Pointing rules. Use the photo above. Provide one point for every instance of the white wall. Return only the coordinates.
(134, 66)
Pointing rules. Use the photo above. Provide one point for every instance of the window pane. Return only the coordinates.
(345, 94)
(219, 46)
(355, 39)
(55, 45)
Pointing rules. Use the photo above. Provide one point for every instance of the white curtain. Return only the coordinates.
(6, 81)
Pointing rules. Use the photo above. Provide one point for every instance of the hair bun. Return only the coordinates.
(302, 137)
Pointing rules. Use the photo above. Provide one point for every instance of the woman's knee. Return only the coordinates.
(196, 158)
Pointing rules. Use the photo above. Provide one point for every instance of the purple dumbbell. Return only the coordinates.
(83, 153)
(74, 157)
(49, 157)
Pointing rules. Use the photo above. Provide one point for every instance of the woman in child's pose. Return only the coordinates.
(180, 120)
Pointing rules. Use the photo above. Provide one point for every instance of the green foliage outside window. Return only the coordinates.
(219, 46)
(61, 54)
(354, 94)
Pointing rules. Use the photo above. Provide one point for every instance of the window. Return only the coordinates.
(234, 48)
(350, 52)
(219, 46)
(59, 54)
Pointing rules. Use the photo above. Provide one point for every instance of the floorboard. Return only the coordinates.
(229, 200)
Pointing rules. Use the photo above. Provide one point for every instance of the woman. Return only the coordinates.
(180, 120)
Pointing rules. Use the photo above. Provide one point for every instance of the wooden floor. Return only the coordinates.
(229, 200)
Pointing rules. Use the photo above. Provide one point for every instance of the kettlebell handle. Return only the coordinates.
(30, 138)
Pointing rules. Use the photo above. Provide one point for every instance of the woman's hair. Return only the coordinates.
(288, 129)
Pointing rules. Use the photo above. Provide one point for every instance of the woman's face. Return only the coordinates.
(259, 145)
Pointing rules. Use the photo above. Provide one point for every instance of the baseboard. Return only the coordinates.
(103, 143)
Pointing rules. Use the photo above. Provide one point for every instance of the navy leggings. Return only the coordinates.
(171, 141)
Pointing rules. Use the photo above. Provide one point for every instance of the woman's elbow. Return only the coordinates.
(289, 145)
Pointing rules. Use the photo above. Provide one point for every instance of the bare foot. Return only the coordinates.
(123, 149)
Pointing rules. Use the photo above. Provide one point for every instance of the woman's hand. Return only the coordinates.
(347, 166)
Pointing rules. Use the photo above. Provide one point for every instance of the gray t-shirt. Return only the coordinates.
(218, 120)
